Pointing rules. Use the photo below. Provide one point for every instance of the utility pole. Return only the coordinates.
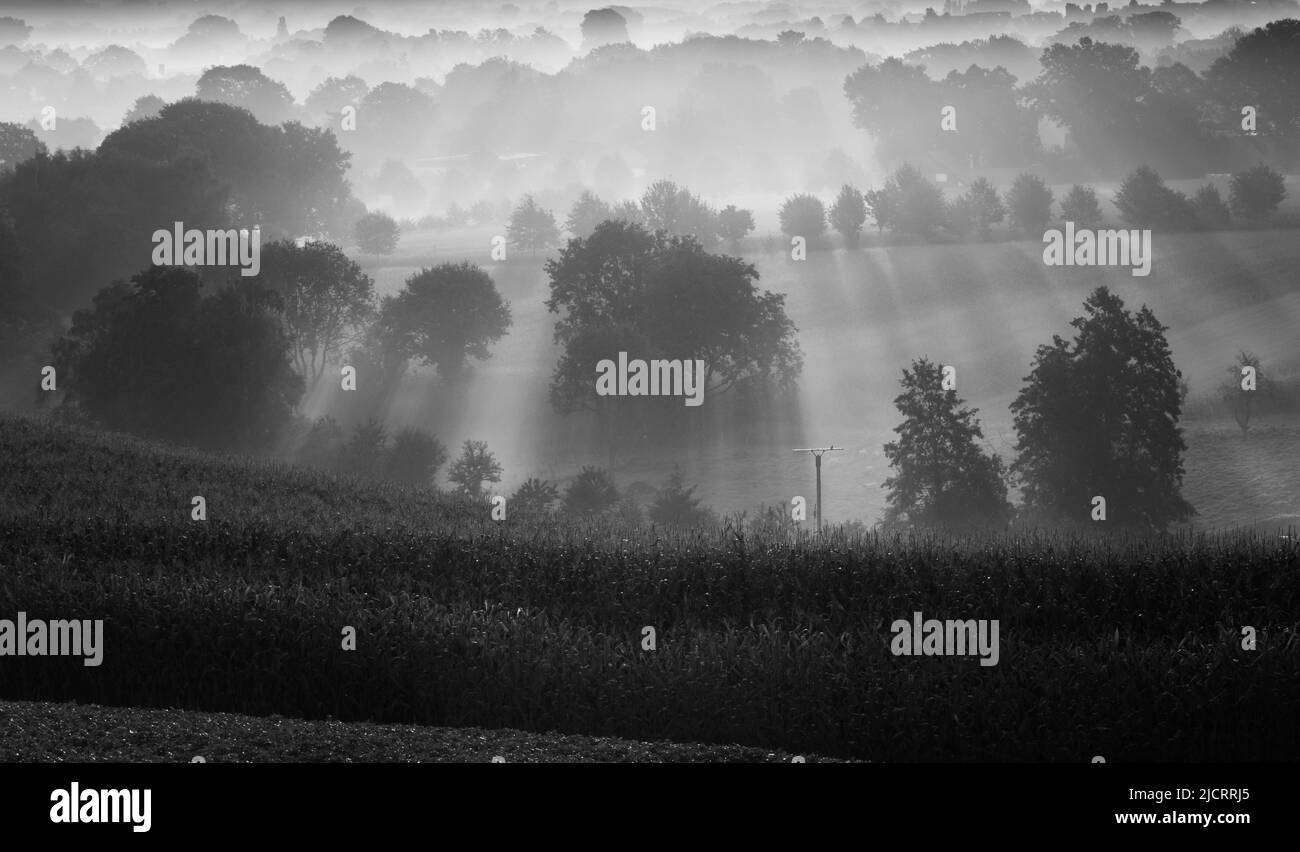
(817, 453)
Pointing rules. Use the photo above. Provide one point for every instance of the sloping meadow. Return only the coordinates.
(1131, 650)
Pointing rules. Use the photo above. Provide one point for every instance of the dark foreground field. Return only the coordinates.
(1129, 650)
(32, 731)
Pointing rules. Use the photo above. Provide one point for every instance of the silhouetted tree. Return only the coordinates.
(327, 299)
(1098, 416)
(414, 458)
(155, 357)
(1256, 193)
(474, 467)
(942, 476)
(1242, 398)
(535, 498)
(675, 505)
(591, 492)
(1144, 201)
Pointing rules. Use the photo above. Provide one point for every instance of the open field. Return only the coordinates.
(763, 639)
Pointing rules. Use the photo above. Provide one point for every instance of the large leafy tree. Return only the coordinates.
(625, 289)
(942, 475)
(290, 179)
(327, 300)
(445, 315)
(246, 86)
(156, 357)
(1098, 416)
(1262, 69)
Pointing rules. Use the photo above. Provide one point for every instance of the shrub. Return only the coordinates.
(1256, 193)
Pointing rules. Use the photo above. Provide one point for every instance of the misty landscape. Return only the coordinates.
(745, 381)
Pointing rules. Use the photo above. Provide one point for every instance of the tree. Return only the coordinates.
(1080, 207)
(629, 212)
(591, 492)
(291, 180)
(676, 506)
(1211, 212)
(897, 103)
(804, 216)
(414, 458)
(667, 207)
(624, 289)
(326, 102)
(445, 315)
(156, 358)
(601, 27)
(980, 206)
(536, 497)
(145, 106)
(1097, 90)
(247, 87)
(377, 233)
(942, 475)
(1030, 203)
(115, 61)
(848, 213)
(1098, 417)
(17, 144)
(880, 204)
(1241, 394)
(531, 227)
(1144, 200)
(1256, 192)
(587, 212)
(1262, 69)
(326, 297)
(734, 224)
(911, 204)
(474, 467)
(394, 120)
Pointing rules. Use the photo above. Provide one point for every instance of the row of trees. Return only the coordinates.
(1097, 417)
(911, 204)
(1117, 111)
(664, 206)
